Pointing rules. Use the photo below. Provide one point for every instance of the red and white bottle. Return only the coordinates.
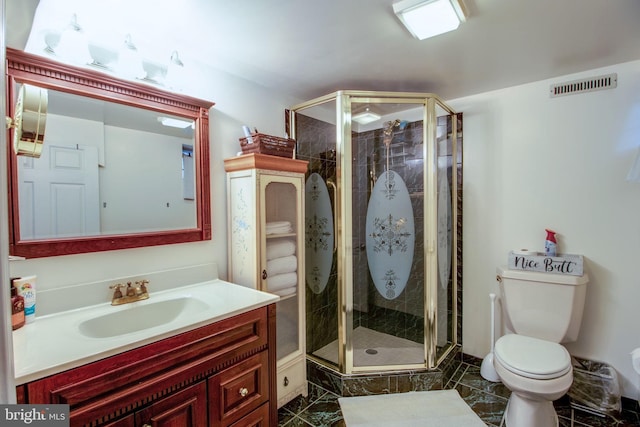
(550, 243)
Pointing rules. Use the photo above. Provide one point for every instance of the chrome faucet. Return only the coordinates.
(137, 293)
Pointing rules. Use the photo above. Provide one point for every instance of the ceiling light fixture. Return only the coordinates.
(175, 123)
(428, 18)
(366, 116)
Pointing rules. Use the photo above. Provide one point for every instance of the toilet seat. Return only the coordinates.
(532, 357)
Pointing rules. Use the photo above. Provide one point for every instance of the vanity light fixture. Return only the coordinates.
(175, 123)
(73, 45)
(175, 72)
(428, 18)
(129, 60)
(366, 116)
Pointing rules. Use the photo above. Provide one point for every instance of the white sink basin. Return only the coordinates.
(139, 317)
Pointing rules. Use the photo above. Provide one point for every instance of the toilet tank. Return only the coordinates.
(542, 305)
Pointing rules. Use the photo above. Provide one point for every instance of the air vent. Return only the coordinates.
(608, 81)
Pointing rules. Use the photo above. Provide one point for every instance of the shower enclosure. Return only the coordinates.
(383, 226)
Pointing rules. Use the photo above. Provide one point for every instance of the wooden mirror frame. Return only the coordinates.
(23, 67)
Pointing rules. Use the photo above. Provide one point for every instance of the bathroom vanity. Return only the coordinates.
(211, 365)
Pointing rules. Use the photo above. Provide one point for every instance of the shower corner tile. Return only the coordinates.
(324, 378)
(362, 386)
(426, 381)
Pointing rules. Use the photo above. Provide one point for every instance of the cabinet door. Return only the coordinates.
(187, 408)
(282, 257)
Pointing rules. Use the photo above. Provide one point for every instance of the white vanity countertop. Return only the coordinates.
(54, 343)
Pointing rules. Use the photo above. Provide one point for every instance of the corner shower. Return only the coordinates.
(383, 230)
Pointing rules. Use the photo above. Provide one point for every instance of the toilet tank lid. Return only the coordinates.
(535, 276)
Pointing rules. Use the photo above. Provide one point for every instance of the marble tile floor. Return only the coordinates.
(321, 408)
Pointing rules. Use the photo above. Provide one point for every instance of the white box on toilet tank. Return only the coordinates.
(560, 264)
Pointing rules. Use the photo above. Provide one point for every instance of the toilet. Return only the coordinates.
(540, 311)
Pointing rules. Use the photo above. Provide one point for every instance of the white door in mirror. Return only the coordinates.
(59, 193)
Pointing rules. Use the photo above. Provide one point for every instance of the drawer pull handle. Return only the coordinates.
(286, 381)
(243, 391)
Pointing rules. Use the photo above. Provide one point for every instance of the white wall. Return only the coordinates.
(141, 182)
(533, 162)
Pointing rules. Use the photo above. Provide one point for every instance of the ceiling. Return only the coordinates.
(305, 49)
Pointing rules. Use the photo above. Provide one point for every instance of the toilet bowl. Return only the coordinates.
(537, 372)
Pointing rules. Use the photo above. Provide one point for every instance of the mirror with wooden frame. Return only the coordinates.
(113, 173)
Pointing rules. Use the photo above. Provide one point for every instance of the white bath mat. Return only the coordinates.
(439, 408)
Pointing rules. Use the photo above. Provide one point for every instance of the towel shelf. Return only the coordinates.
(266, 195)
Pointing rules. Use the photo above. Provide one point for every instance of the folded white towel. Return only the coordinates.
(280, 248)
(287, 264)
(279, 227)
(278, 224)
(281, 281)
(286, 291)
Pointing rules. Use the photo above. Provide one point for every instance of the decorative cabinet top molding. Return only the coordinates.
(263, 161)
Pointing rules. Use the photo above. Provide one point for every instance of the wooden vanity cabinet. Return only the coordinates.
(219, 375)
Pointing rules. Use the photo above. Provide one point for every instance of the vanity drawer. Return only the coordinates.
(257, 418)
(239, 390)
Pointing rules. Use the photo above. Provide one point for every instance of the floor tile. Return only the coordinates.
(487, 399)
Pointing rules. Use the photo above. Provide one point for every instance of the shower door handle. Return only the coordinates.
(335, 212)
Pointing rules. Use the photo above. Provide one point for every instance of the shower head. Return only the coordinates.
(388, 126)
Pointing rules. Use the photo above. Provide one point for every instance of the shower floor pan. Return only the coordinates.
(372, 348)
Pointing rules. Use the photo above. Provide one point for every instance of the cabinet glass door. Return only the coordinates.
(282, 202)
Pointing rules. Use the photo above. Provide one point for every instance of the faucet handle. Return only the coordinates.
(142, 284)
(117, 293)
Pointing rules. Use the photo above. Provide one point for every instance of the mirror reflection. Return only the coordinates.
(112, 174)
(105, 169)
